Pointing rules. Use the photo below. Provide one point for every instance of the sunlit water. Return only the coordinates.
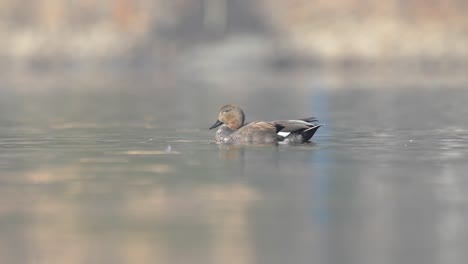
(112, 178)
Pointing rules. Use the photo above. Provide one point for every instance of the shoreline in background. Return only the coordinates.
(330, 30)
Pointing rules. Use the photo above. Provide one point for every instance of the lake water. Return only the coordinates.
(133, 176)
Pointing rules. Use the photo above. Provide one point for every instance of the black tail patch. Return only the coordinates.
(309, 133)
(278, 127)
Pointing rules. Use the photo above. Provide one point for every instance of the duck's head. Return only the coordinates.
(230, 115)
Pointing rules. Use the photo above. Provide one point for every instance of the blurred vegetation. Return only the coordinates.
(87, 28)
(328, 29)
(375, 29)
(242, 43)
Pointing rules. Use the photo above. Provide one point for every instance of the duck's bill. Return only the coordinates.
(217, 124)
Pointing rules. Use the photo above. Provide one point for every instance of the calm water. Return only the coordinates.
(134, 177)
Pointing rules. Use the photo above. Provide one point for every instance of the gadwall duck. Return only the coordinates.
(234, 131)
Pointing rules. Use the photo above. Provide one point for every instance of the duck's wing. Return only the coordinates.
(309, 119)
(293, 125)
(261, 125)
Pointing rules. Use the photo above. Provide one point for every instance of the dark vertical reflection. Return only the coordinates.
(377, 185)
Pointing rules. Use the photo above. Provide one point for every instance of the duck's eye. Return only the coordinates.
(225, 111)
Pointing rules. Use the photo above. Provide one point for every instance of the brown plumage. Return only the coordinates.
(234, 131)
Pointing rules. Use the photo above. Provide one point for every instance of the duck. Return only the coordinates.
(233, 129)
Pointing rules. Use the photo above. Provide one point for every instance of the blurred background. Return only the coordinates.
(50, 39)
(225, 47)
(105, 155)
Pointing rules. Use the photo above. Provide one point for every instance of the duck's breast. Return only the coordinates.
(224, 134)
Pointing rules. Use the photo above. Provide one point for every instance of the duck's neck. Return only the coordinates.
(236, 120)
(235, 124)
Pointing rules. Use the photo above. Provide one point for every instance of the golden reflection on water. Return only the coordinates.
(149, 223)
(85, 193)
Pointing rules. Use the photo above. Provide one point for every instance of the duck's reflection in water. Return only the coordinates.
(231, 152)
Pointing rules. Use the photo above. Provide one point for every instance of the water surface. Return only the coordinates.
(130, 177)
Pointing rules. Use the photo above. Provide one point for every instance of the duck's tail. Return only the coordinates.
(307, 134)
